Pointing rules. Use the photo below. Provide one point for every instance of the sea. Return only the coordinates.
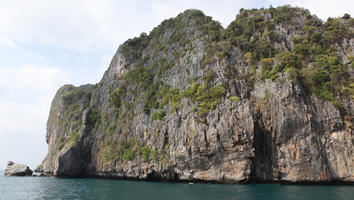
(48, 188)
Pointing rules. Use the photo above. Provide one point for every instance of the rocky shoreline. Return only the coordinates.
(110, 177)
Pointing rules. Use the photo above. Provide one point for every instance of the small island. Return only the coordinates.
(267, 99)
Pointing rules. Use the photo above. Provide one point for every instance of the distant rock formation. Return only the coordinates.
(15, 169)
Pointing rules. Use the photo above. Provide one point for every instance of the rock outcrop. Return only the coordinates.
(269, 98)
(15, 169)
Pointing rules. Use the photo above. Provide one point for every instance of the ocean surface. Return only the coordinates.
(23, 188)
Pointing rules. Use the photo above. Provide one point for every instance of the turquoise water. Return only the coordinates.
(23, 188)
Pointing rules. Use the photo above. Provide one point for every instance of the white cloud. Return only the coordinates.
(63, 23)
(89, 24)
(17, 118)
(79, 24)
(4, 39)
(26, 95)
(33, 77)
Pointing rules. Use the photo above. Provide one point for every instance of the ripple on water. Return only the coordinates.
(23, 188)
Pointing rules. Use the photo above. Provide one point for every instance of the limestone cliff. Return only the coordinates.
(269, 98)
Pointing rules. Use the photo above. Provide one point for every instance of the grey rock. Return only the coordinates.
(15, 169)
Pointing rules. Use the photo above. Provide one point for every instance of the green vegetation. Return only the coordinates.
(313, 62)
(128, 154)
(326, 76)
(172, 97)
(158, 115)
(127, 149)
(145, 152)
(61, 143)
(151, 98)
(111, 129)
(207, 97)
(234, 98)
(74, 137)
(133, 48)
(116, 97)
(179, 26)
(253, 33)
(94, 118)
(288, 59)
(266, 94)
(73, 95)
(155, 154)
(75, 100)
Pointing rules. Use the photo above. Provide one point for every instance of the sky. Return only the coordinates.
(46, 44)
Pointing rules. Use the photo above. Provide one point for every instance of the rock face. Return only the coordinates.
(269, 98)
(15, 169)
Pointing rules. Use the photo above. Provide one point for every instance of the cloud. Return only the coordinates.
(26, 94)
(89, 25)
(33, 77)
(17, 118)
(79, 24)
(65, 23)
(4, 39)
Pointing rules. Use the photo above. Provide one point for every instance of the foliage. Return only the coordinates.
(288, 59)
(234, 98)
(134, 47)
(61, 143)
(151, 98)
(172, 97)
(207, 98)
(209, 77)
(145, 152)
(254, 33)
(94, 118)
(111, 129)
(74, 137)
(128, 154)
(126, 149)
(155, 154)
(346, 16)
(116, 97)
(158, 115)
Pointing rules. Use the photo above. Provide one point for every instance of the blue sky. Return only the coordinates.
(45, 44)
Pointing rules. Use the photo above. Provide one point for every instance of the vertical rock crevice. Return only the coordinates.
(264, 161)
